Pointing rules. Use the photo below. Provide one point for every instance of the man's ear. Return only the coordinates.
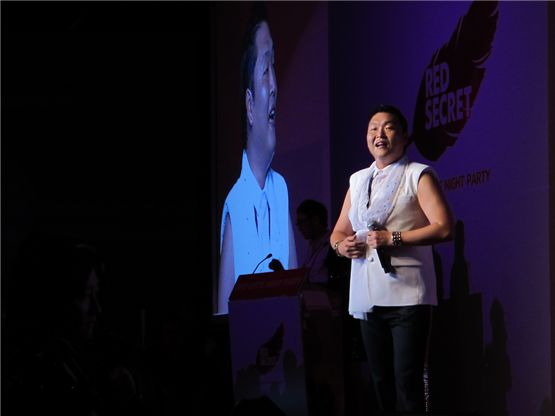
(249, 102)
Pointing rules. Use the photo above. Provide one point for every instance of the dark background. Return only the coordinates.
(106, 138)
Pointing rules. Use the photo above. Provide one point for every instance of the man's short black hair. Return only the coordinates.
(391, 109)
(248, 60)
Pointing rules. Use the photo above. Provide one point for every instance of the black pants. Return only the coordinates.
(396, 342)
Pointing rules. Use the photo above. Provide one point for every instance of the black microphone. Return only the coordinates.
(383, 253)
(260, 262)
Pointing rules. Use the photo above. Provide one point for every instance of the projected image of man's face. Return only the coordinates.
(263, 114)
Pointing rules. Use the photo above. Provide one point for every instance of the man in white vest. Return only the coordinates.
(393, 212)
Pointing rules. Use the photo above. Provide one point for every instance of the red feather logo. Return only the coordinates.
(452, 79)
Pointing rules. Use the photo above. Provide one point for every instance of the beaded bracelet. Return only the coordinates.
(396, 236)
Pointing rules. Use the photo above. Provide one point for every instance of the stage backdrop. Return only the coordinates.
(472, 79)
(495, 276)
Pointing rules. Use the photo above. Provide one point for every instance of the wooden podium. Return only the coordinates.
(286, 343)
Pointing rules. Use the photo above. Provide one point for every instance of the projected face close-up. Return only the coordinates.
(261, 103)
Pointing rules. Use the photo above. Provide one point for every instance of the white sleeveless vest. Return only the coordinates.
(414, 279)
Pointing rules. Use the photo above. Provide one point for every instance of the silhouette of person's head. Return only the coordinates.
(312, 219)
(61, 281)
(56, 311)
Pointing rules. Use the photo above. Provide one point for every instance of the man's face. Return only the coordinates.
(265, 91)
(385, 138)
(304, 225)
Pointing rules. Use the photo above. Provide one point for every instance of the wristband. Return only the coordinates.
(396, 237)
(336, 248)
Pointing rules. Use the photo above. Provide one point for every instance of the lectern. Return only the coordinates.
(286, 343)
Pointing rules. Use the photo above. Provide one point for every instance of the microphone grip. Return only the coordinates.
(383, 253)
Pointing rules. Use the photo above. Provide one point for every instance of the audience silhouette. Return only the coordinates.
(60, 360)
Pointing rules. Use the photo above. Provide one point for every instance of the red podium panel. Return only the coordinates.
(286, 343)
